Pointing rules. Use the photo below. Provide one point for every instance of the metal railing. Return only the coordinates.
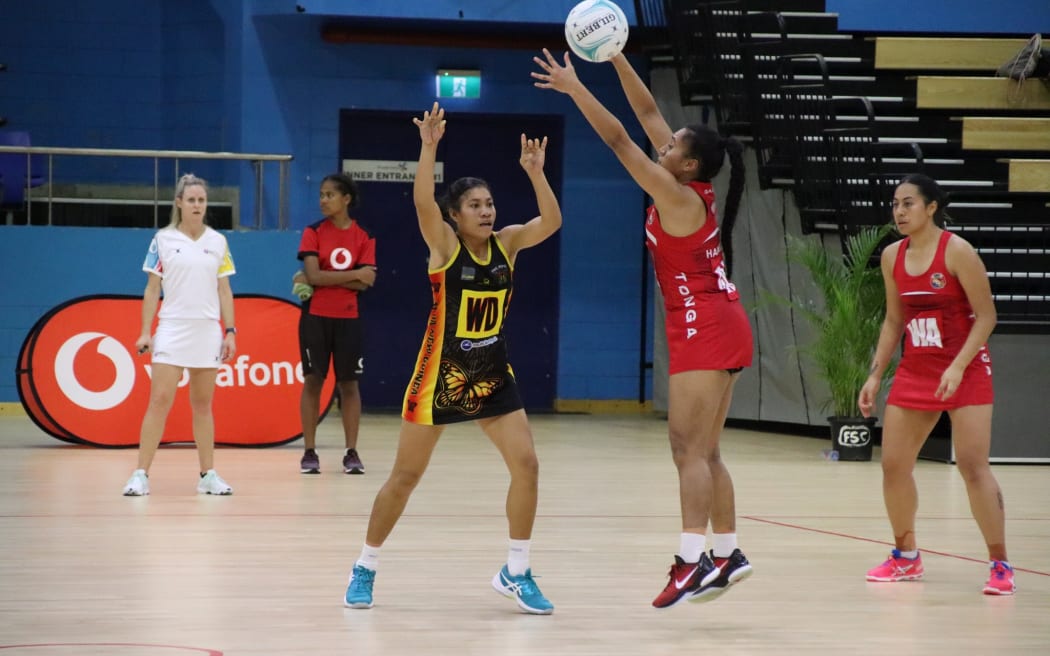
(257, 160)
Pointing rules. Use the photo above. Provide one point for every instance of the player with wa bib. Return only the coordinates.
(939, 299)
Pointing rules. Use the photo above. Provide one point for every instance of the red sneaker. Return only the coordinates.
(686, 579)
(1001, 580)
(897, 568)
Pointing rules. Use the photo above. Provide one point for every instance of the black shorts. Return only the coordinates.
(325, 339)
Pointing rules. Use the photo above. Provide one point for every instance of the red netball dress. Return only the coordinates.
(706, 325)
(937, 320)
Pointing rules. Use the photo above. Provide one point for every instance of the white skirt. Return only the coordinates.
(194, 343)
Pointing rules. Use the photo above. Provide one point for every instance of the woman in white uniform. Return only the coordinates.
(191, 263)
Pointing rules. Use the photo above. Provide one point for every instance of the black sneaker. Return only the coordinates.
(310, 464)
(734, 569)
(352, 463)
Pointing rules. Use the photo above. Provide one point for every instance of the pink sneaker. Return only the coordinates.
(1001, 580)
(897, 568)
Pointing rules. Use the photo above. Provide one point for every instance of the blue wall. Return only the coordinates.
(956, 16)
(256, 76)
(534, 11)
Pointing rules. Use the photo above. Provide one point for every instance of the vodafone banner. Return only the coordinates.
(81, 381)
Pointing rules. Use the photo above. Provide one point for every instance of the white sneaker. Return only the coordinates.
(137, 485)
(212, 483)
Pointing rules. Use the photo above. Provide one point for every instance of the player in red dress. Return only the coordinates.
(938, 297)
(708, 334)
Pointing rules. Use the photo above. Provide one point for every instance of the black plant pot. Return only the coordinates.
(852, 437)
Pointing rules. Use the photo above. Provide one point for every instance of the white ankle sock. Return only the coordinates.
(723, 544)
(518, 557)
(691, 546)
(910, 555)
(369, 558)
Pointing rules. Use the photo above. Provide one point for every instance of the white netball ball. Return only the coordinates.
(596, 30)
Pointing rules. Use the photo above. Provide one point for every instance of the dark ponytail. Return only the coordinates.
(735, 150)
(710, 149)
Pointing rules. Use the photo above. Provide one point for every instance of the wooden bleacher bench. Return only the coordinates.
(1005, 133)
(961, 92)
(1030, 175)
(944, 53)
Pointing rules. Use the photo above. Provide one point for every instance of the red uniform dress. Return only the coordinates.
(706, 325)
(937, 320)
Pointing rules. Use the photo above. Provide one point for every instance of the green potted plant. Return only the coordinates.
(846, 327)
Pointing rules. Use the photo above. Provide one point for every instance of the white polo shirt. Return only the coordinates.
(189, 271)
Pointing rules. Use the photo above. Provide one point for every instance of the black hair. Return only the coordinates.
(710, 149)
(452, 197)
(346, 185)
(931, 191)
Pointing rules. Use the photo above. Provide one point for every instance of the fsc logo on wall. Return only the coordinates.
(81, 381)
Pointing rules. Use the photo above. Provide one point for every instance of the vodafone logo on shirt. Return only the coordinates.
(81, 381)
(341, 259)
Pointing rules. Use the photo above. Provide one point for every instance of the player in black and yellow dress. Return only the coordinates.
(462, 371)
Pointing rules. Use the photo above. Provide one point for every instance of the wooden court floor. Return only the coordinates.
(87, 571)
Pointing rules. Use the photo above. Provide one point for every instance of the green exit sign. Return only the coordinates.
(458, 84)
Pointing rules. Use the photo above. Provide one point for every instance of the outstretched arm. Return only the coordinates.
(643, 103)
(517, 237)
(652, 177)
(438, 234)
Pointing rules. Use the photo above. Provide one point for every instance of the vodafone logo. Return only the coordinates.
(108, 347)
(80, 380)
(341, 259)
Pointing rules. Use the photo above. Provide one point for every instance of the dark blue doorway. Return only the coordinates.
(395, 310)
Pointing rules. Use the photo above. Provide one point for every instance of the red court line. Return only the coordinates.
(890, 544)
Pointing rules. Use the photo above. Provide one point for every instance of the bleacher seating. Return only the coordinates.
(964, 92)
(1005, 133)
(944, 53)
(1017, 134)
(1029, 175)
(792, 89)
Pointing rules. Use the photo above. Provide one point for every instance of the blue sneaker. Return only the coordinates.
(359, 592)
(524, 590)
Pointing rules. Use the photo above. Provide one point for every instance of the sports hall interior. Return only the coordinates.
(104, 104)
